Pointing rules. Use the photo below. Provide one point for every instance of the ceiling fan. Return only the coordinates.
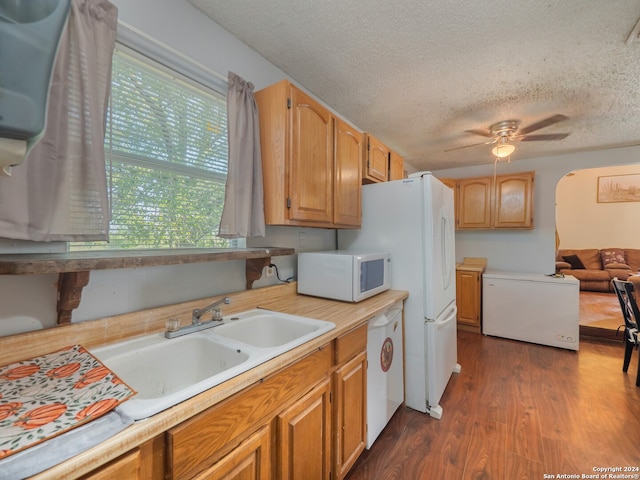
(504, 134)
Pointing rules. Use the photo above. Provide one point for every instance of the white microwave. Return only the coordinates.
(343, 275)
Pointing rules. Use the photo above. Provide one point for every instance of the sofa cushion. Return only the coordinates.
(617, 266)
(612, 255)
(574, 261)
(591, 280)
(619, 273)
(590, 257)
(592, 275)
(632, 257)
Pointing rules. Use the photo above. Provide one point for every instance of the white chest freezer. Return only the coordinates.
(531, 307)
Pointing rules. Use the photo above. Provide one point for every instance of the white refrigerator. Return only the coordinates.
(413, 220)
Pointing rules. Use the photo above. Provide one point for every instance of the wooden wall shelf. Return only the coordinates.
(74, 267)
(38, 263)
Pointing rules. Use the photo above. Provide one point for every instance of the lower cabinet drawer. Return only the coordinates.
(145, 462)
(126, 466)
(350, 344)
(250, 459)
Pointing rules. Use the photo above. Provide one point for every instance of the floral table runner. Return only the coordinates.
(51, 394)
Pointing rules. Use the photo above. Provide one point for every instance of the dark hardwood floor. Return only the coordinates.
(517, 411)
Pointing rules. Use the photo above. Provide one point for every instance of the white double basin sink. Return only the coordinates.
(165, 371)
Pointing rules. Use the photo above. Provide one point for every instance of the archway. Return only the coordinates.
(588, 218)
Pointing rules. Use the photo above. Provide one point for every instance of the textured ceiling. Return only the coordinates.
(417, 74)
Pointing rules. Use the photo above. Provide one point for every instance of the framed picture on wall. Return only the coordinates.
(619, 188)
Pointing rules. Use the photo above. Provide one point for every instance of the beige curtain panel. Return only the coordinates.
(59, 192)
(243, 213)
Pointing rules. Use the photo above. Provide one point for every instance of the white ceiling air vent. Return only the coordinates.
(634, 36)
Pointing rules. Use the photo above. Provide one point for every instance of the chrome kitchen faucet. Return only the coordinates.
(217, 314)
(196, 319)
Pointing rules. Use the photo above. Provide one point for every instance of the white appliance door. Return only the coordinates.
(442, 356)
(439, 247)
(385, 383)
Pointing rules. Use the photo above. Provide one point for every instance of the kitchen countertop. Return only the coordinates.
(282, 298)
(471, 264)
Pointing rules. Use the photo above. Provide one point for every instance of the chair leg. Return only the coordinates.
(638, 374)
(628, 348)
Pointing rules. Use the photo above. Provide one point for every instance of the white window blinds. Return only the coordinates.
(166, 146)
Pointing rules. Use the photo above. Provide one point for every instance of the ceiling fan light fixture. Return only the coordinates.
(503, 150)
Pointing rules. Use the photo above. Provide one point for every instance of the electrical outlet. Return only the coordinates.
(269, 271)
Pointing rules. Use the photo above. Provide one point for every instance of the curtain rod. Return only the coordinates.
(135, 37)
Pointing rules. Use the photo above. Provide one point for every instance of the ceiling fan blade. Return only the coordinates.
(543, 123)
(484, 133)
(467, 146)
(551, 136)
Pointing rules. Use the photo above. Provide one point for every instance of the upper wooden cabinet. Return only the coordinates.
(474, 202)
(513, 202)
(376, 167)
(309, 166)
(396, 166)
(349, 152)
(505, 201)
(381, 163)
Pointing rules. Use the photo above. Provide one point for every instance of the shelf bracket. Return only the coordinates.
(70, 285)
(253, 269)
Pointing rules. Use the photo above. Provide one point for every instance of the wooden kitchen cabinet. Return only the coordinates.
(249, 461)
(469, 293)
(304, 437)
(396, 166)
(505, 202)
(513, 201)
(474, 202)
(450, 182)
(126, 466)
(350, 400)
(349, 152)
(376, 166)
(381, 164)
(143, 463)
(306, 173)
(350, 383)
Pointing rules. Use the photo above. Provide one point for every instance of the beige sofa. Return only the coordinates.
(596, 267)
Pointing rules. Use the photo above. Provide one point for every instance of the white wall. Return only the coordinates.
(29, 302)
(530, 250)
(185, 29)
(585, 223)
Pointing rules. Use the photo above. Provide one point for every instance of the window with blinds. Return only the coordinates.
(166, 149)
